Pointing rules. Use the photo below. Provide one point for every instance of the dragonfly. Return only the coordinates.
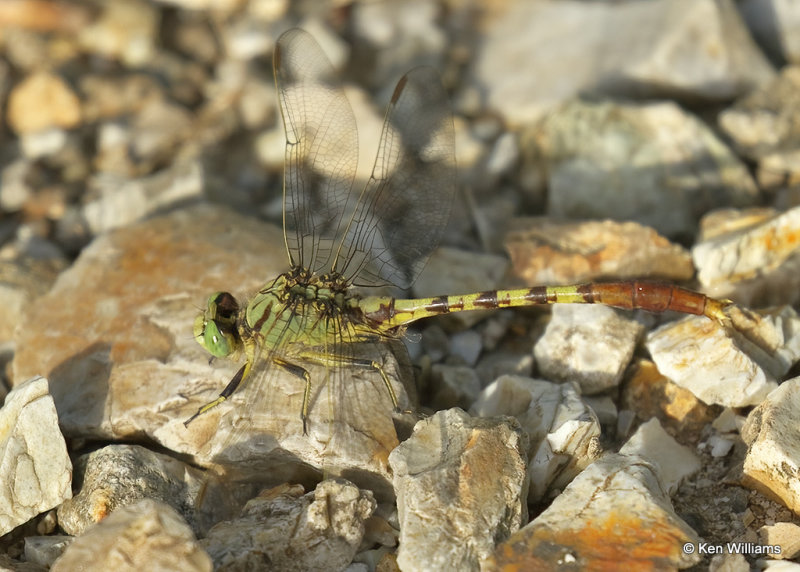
(341, 239)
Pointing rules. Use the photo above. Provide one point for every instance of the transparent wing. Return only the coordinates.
(403, 209)
(321, 150)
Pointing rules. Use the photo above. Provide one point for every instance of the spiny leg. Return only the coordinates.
(233, 384)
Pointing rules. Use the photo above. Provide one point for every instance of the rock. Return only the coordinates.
(750, 256)
(461, 487)
(120, 202)
(616, 501)
(651, 394)
(774, 25)
(450, 271)
(283, 529)
(673, 461)
(454, 386)
(733, 365)
(148, 535)
(36, 471)
(124, 31)
(563, 432)
(700, 49)
(397, 36)
(772, 464)
(42, 101)
(23, 281)
(44, 550)
(786, 535)
(761, 124)
(621, 161)
(591, 345)
(546, 251)
(467, 346)
(121, 475)
(136, 370)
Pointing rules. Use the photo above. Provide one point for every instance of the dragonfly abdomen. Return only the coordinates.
(387, 313)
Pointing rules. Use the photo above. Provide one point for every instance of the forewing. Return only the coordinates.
(403, 209)
(321, 150)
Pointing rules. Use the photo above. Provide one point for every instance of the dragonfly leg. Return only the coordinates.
(340, 360)
(375, 365)
(303, 374)
(233, 384)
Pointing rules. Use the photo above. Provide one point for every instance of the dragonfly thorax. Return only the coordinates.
(302, 305)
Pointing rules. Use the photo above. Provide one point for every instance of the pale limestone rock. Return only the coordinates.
(550, 251)
(749, 246)
(148, 535)
(284, 529)
(42, 101)
(121, 475)
(652, 163)
(674, 462)
(461, 487)
(589, 344)
(658, 48)
(772, 464)
(44, 550)
(615, 503)
(735, 364)
(563, 432)
(35, 472)
(783, 534)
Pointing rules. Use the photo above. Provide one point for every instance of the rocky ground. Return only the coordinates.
(141, 168)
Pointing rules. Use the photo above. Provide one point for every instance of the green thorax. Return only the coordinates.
(305, 308)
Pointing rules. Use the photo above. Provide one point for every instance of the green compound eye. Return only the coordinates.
(215, 328)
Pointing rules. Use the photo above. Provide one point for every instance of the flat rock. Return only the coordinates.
(148, 535)
(615, 515)
(589, 344)
(772, 464)
(285, 529)
(461, 487)
(547, 251)
(36, 472)
(701, 49)
(627, 162)
(136, 369)
(563, 432)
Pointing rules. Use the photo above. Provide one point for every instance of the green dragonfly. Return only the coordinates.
(339, 237)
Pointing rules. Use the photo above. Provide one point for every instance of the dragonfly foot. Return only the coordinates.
(203, 409)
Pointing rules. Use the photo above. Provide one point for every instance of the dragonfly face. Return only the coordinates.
(216, 327)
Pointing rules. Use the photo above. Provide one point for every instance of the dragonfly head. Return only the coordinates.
(215, 328)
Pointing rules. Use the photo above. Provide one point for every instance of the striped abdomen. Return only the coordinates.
(386, 313)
